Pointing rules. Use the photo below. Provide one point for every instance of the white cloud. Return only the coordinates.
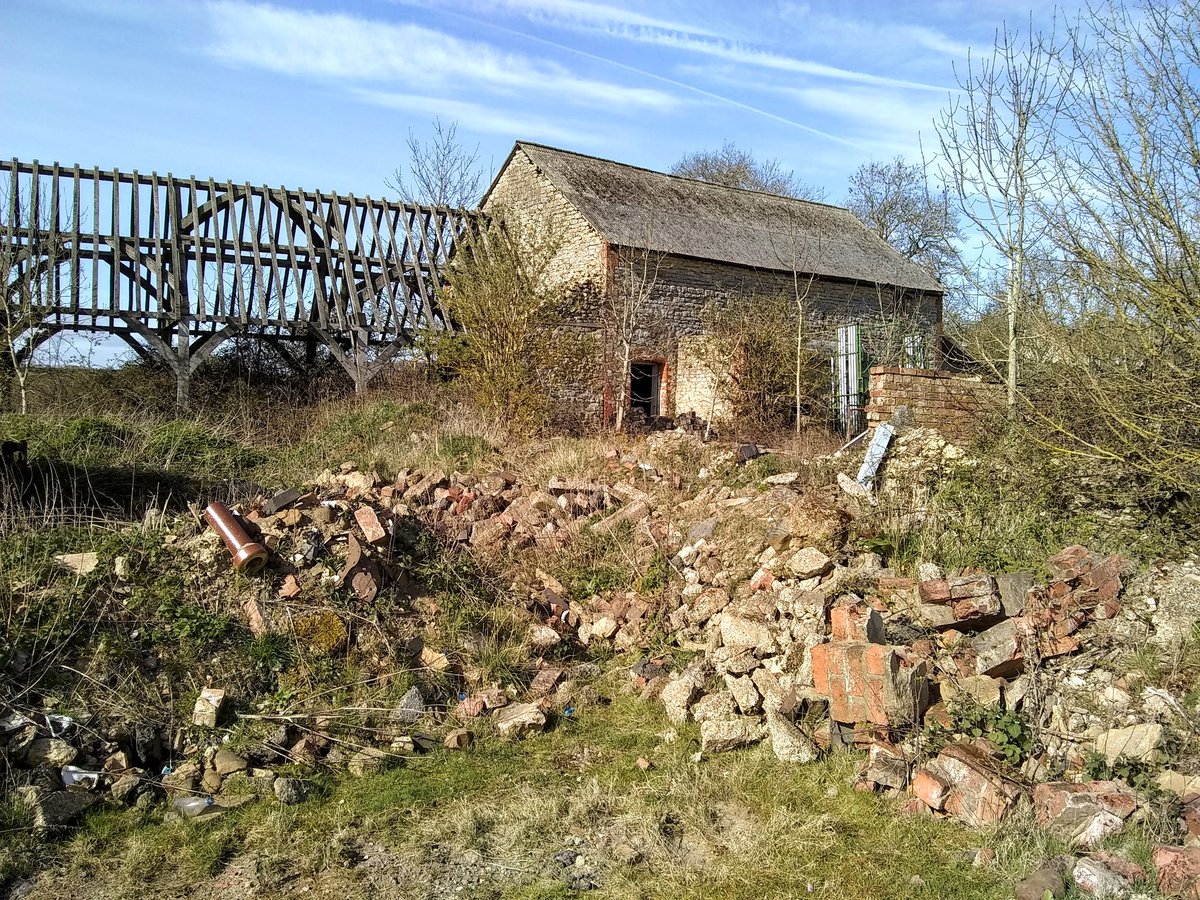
(586, 12)
(886, 122)
(351, 49)
(751, 56)
(491, 120)
(616, 22)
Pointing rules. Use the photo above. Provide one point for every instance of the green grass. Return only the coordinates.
(741, 825)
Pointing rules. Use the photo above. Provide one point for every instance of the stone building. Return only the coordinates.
(652, 255)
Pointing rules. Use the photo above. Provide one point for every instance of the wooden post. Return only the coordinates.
(183, 366)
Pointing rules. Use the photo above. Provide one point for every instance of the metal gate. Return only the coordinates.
(859, 348)
(850, 381)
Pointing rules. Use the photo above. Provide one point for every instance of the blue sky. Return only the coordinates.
(322, 94)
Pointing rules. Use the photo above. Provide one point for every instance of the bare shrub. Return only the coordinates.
(514, 348)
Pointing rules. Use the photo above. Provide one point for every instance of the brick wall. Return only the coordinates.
(951, 403)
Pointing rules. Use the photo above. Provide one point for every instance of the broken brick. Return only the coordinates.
(935, 590)
(979, 794)
(930, 789)
(254, 617)
(762, 580)
(544, 681)
(1071, 563)
(971, 586)
(368, 521)
(1083, 813)
(1178, 871)
(872, 683)
(856, 622)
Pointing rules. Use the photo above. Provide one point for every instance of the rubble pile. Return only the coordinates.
(779, 635)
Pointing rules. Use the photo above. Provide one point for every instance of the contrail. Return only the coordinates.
(671, 81)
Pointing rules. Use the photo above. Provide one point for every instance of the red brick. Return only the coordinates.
(823, 661)
(869, 683)
(979, 795)
(1057, 590)
(1178, 871)
(930, 789)
(1071, 562)
(877, 659)
(368, 521)
(1085, 812)
(936, 590)
(856, 622)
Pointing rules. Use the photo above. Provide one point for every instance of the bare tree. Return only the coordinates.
(1123, 207)
(894, 200)
(441, 172)
(633, 311)
(734, 167)
(30, 259)
(997, 142)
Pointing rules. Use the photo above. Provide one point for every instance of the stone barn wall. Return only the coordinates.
(684, 289)
(524, 191)
(953, 404)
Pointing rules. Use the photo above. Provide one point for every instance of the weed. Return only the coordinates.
(462, 451)
(271, 653)
(656, 575)
(1008, 730)
(1138, 774)
(597, 579)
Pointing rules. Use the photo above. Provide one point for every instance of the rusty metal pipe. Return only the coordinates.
(248, 556)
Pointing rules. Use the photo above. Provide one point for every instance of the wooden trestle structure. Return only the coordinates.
(176, 266)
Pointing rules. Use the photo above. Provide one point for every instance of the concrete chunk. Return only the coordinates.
(720, 736)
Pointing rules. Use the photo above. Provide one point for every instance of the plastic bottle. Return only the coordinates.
(190, 807)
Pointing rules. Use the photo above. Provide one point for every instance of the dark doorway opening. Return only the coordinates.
(645, 382)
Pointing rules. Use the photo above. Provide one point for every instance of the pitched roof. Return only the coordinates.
(643, 209)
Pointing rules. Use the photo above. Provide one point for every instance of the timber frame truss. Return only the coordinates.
(176, 266)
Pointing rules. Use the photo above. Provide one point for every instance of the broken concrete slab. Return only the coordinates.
(208, 707)
(55, 809)
(717, 705)
(79, 563)
(739, 632)
(369, 761)
(808, 563)
(788, 742)
(290, 791)
(520, 719)
(720, 736)
(745, 693)
(411, 707)
(1012, 589)
(677, 698)
(1139, 742)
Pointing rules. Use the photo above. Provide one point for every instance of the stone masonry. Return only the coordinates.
(681, 291)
